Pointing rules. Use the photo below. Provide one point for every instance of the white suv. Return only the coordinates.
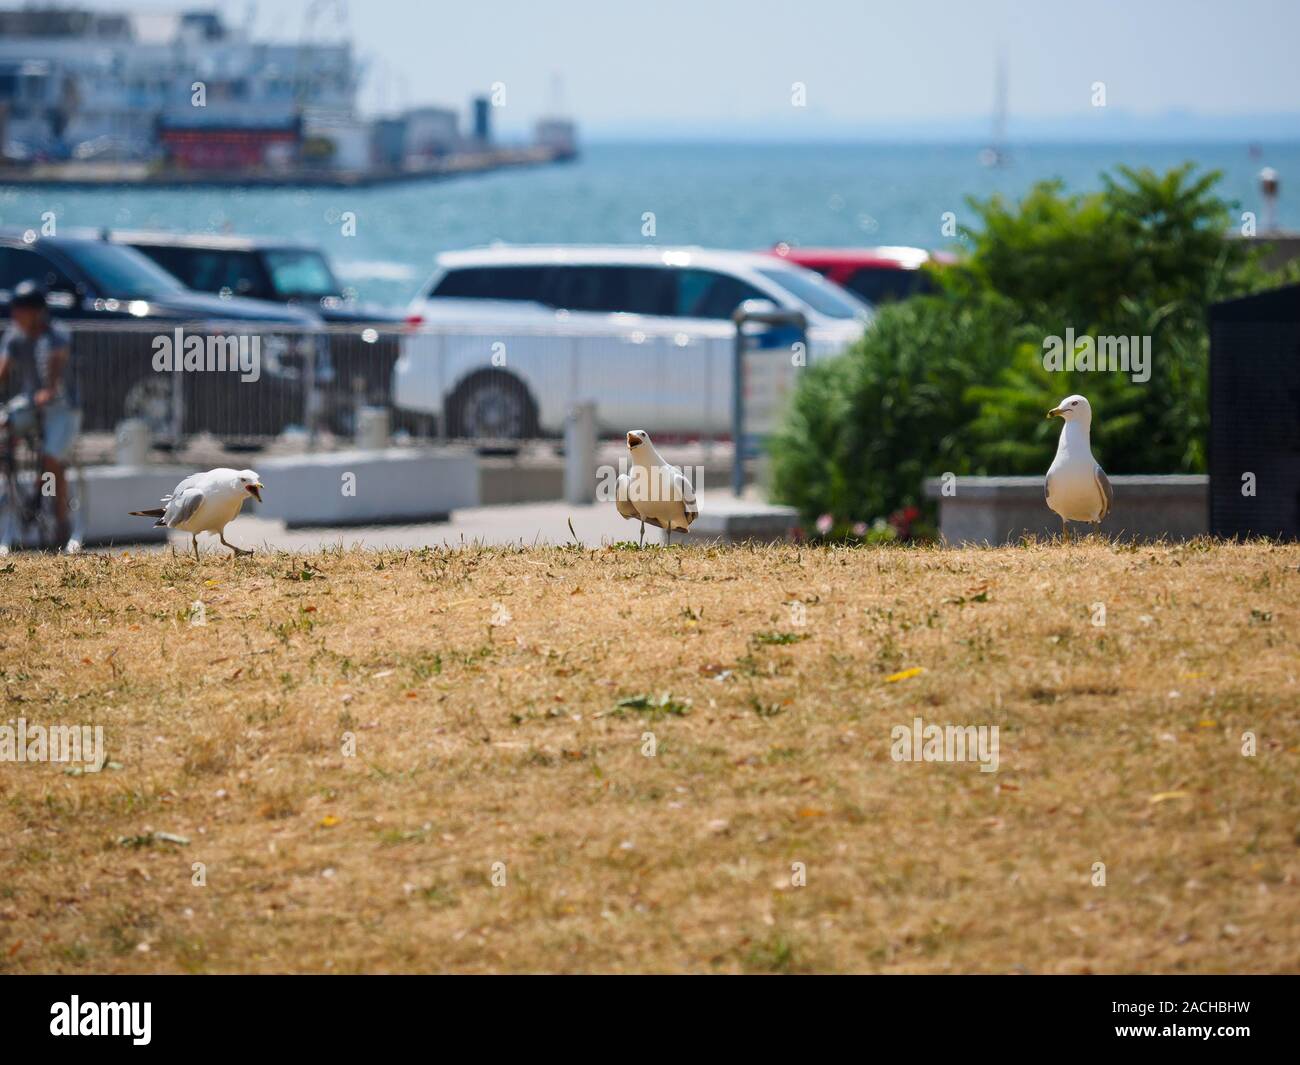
(512, 336)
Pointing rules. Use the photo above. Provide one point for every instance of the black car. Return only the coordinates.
(363, 337)
(93, 282)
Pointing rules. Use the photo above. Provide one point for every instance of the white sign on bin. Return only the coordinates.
(769, 379)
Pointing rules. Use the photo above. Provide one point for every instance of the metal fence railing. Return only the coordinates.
(246, 385)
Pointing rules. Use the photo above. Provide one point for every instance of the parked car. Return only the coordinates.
(517, 333)
(364, 340)
(93, 281)
(876, 275)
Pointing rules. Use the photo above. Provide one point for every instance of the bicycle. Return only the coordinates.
(27, 514)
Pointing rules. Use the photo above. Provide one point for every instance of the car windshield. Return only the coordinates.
(301, 273)
(122, 273)
(821, 295)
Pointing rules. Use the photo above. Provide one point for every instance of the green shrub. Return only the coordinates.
(863, 429)
(955, 382)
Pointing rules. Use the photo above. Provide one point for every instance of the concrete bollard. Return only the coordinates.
(372, 428)
(132, 442)
(580, 454)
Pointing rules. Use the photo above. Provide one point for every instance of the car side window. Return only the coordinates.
(205, 270)
(614, 289)
(880, 286)
(523, 283)
(708, 294)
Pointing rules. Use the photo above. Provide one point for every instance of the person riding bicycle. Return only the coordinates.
(34, 358)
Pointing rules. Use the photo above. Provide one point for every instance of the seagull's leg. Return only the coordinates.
(237, 550)
(194, 542)
(668, 534)
(1065, 532)
(642, 543)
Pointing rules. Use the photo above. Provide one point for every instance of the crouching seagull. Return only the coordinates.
(207, 502)
(1076, 487)
(654, 492)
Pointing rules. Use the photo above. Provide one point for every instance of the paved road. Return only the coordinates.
(595, 524)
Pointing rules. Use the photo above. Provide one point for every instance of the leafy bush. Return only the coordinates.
(863, 429)
(956, 383)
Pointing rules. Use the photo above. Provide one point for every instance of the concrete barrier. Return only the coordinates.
(367, 487)
(726, 519)
(109, 492)
(999, 510)
(388, 486)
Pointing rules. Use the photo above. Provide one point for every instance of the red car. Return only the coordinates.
(876, 275)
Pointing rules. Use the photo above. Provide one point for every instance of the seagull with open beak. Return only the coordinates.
(1076, 487)
(654, 492)
(207, 502)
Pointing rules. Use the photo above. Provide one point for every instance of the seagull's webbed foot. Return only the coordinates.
(237, 550)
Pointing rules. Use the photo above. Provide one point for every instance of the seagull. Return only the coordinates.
(655, 493)
(1076, 487)
(207, 502)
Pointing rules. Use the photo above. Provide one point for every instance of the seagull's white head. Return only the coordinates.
(636, 438)
(251, 483)
(1073, 409)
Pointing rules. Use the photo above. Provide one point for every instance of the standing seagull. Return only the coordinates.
(207, 502)
(1076, 487)
(655, 493)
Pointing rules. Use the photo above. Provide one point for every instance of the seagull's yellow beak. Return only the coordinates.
(255, 490)
(1055, 412)
(632, 441)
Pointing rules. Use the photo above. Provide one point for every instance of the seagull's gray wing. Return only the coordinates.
(1103, 486)
(181, 488)
(183, 507)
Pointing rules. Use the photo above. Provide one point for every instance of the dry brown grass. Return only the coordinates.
(478, 744)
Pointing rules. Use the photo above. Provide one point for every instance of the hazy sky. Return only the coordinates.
(664, 66)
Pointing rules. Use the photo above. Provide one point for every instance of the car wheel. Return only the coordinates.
(492, 406)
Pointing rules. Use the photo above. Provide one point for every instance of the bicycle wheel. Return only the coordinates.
(33, 491)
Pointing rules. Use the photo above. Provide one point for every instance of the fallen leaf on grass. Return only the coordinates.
(905, 674)
(1165, 796)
